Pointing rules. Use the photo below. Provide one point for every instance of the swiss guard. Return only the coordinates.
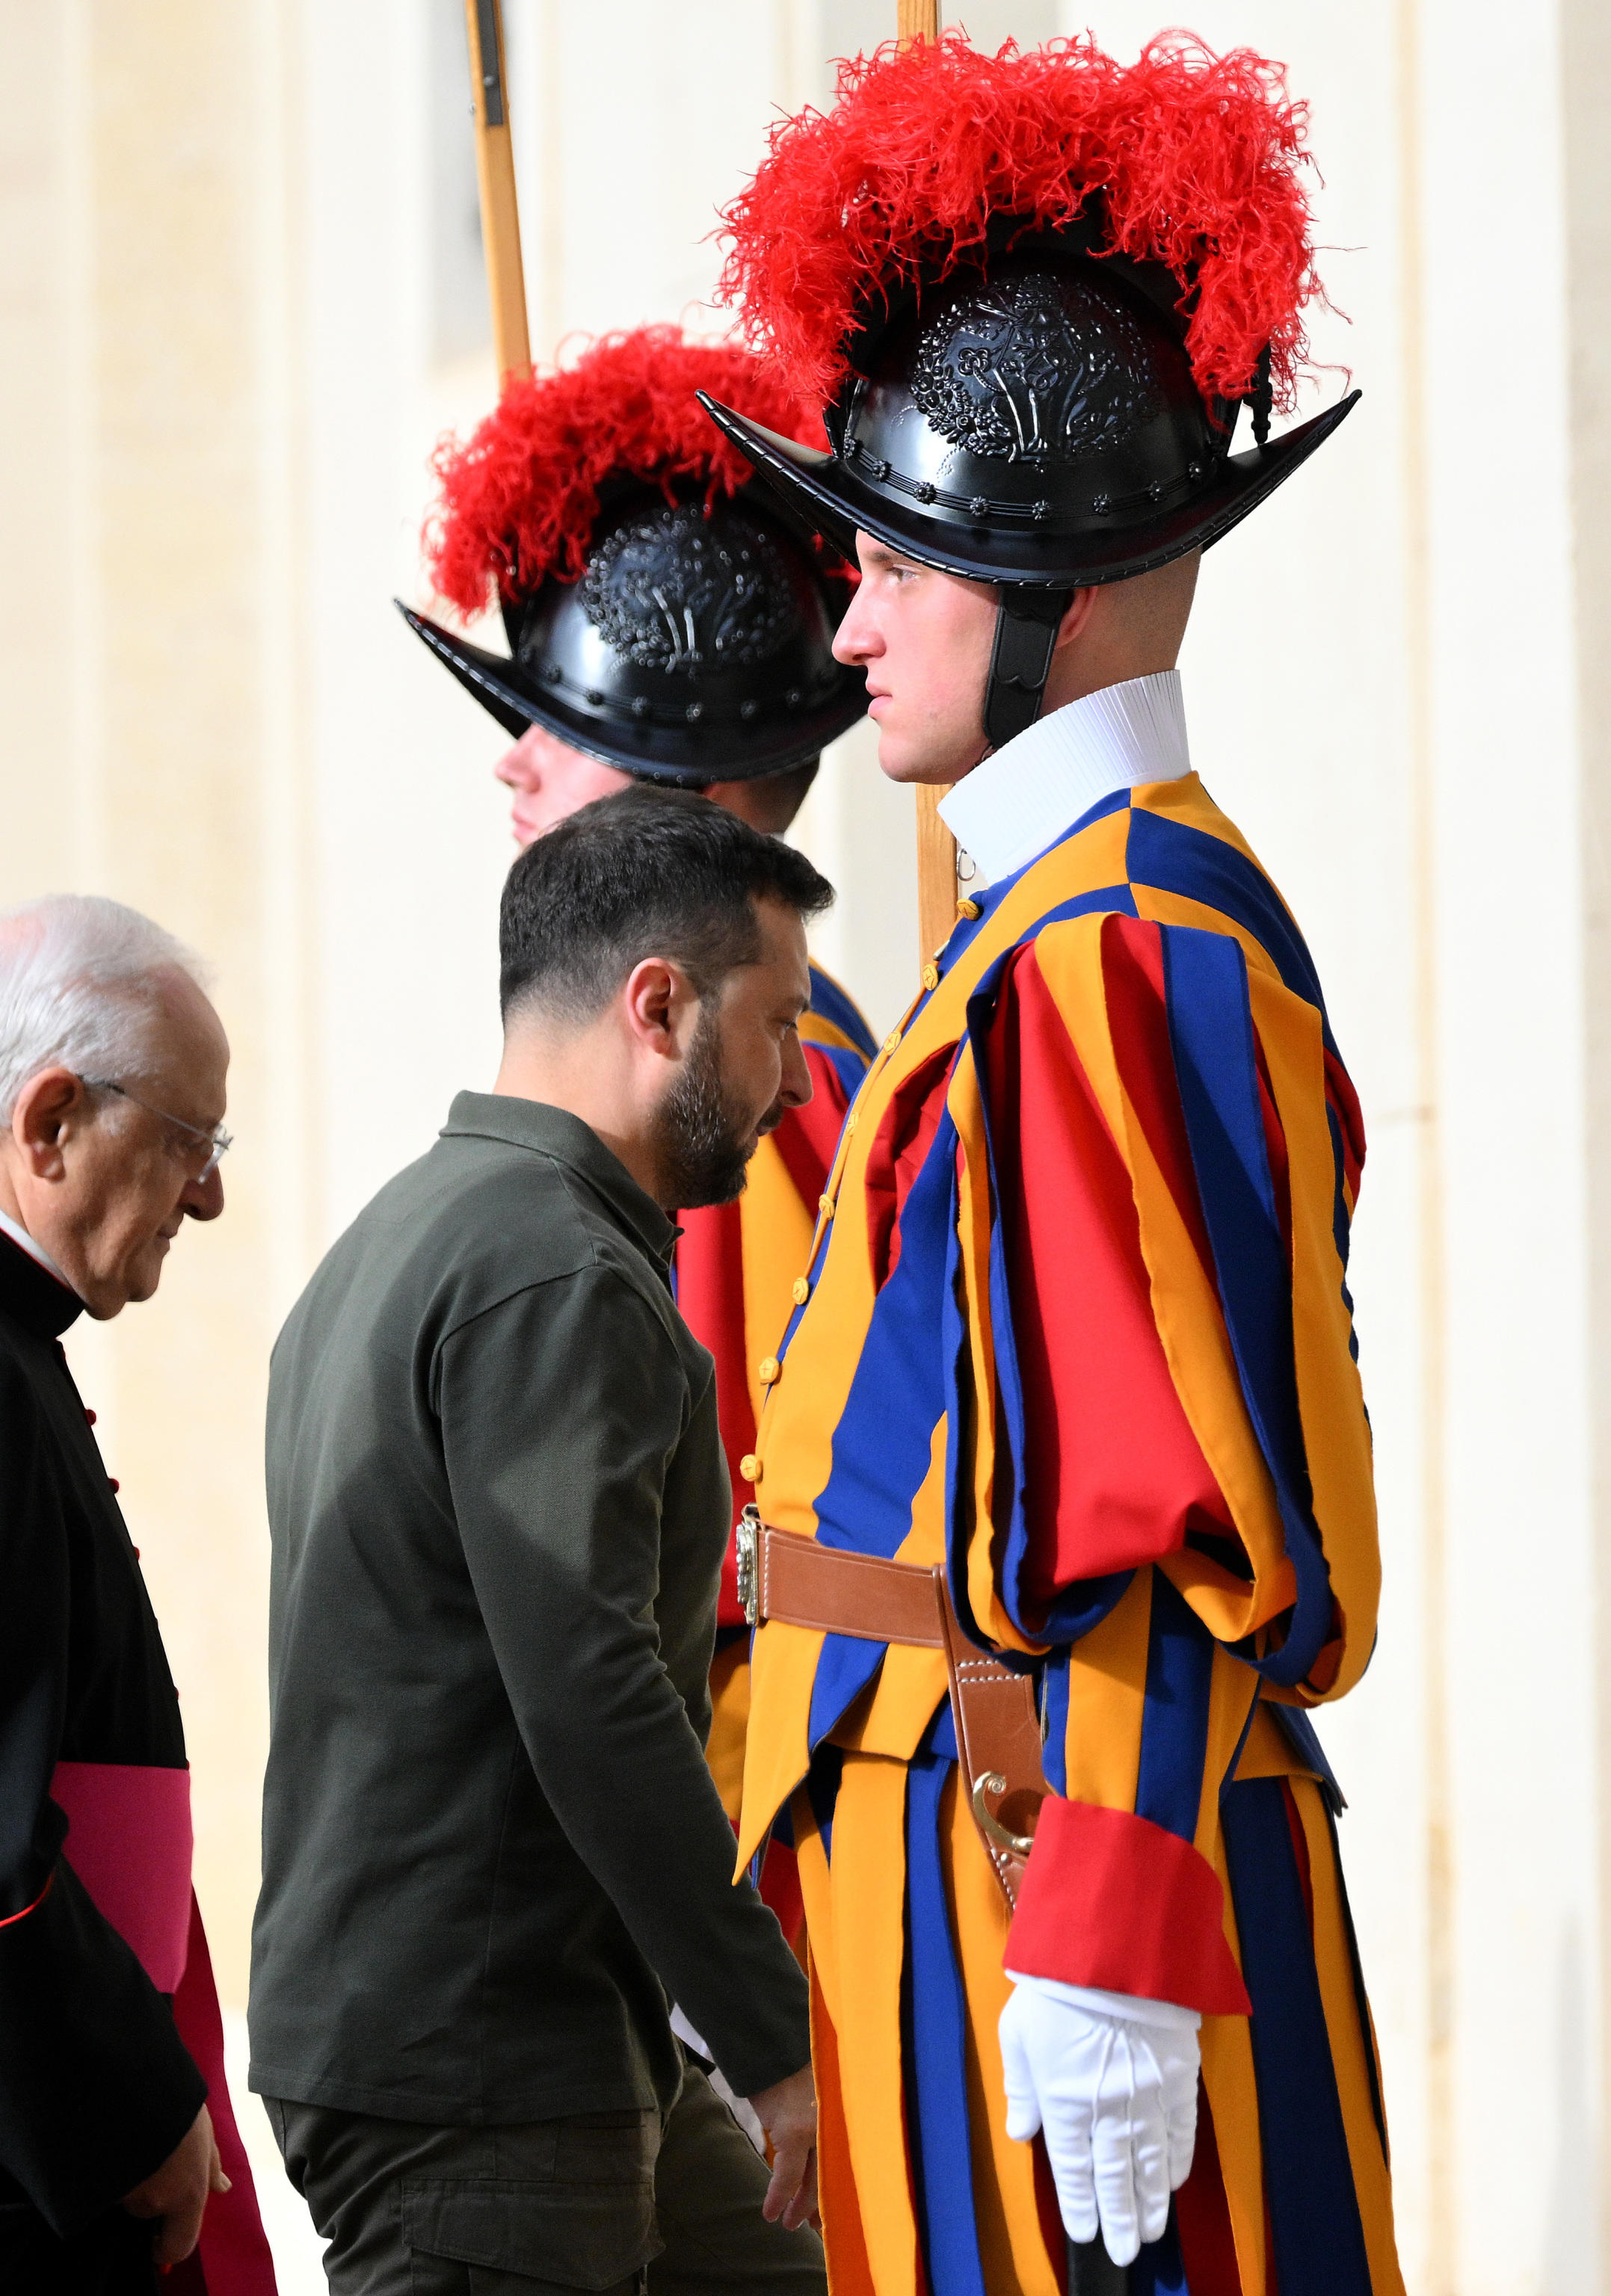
(1065, 1511)
(665, 625)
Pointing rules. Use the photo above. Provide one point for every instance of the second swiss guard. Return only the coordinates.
(665, 625)
(1065, 1514)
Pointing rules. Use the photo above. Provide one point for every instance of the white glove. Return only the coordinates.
(1112, 2081)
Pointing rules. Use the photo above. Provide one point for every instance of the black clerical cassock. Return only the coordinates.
(104, 1977)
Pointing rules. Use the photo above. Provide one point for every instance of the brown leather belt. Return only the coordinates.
(799, 1583)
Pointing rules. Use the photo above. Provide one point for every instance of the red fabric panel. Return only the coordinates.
(1113, 1476)
(233, 2254)
(808, 1137)
(780, 1889)
(1110, 1899)
(1132, 983)
(710, 1292)
(1208, 2247)
(1345, 1101)
(905, 1132)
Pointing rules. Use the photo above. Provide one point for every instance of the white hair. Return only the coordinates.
(79, 988)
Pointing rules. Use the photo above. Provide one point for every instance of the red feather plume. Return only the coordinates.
(519, 498)
(1198, 155)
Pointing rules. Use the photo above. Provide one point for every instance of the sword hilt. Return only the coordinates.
(1092, 2272)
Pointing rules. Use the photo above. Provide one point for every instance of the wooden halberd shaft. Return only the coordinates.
(495, 174)
(919, 20)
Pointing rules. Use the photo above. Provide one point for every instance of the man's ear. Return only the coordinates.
(1076, 617)
(47, 1108)
(662, 1005)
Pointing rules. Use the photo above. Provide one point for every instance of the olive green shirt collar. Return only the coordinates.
(555, 1132)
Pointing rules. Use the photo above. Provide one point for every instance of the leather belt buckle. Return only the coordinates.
(747, 1545)
(832, 1590)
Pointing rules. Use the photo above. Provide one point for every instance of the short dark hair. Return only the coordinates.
(645, 873)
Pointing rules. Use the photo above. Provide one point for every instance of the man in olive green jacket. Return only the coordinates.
(493, 1854)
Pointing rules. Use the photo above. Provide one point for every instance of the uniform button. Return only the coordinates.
(90, 1416)
(802, 1291)
(749, 1467)
(930, 975)
(766, 1371)
(968, 907)
(114, 1482)
(891, 1042)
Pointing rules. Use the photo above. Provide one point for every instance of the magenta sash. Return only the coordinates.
(129, 1842)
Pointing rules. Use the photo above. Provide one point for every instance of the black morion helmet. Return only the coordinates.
(659, 612)
(1045, 396)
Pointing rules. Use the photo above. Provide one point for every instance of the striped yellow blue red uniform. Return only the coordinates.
(1075, 1321)
(735, 1267)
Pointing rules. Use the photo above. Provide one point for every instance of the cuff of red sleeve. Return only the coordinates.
(1112, 1900)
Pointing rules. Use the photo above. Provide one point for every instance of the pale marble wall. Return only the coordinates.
(234, 315)
(149, 747)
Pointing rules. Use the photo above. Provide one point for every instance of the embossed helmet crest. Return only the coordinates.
(1017, 372)
(669, 592)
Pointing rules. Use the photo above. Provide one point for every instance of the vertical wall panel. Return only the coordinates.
(1586, 101)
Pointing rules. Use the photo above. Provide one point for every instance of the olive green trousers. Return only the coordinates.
(612, 2203)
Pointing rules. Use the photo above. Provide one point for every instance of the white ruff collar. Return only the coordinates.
(1020, 801)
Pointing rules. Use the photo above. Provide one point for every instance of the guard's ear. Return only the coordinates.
(49, 1108)
(1076, 616)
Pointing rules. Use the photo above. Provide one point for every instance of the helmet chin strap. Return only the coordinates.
(1021, 659)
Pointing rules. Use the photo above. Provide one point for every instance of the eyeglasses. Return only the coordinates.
(217, 1140)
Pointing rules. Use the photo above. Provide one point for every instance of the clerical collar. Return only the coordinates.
(32, 1291)
(1020, 801)
(20, 1236)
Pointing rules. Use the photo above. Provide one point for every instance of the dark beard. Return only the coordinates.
(702, 1148)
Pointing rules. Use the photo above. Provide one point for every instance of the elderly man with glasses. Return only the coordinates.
(115, 2126)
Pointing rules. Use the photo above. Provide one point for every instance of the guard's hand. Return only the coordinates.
(787, 2111)
(178, 2191)
(1111, 2081)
